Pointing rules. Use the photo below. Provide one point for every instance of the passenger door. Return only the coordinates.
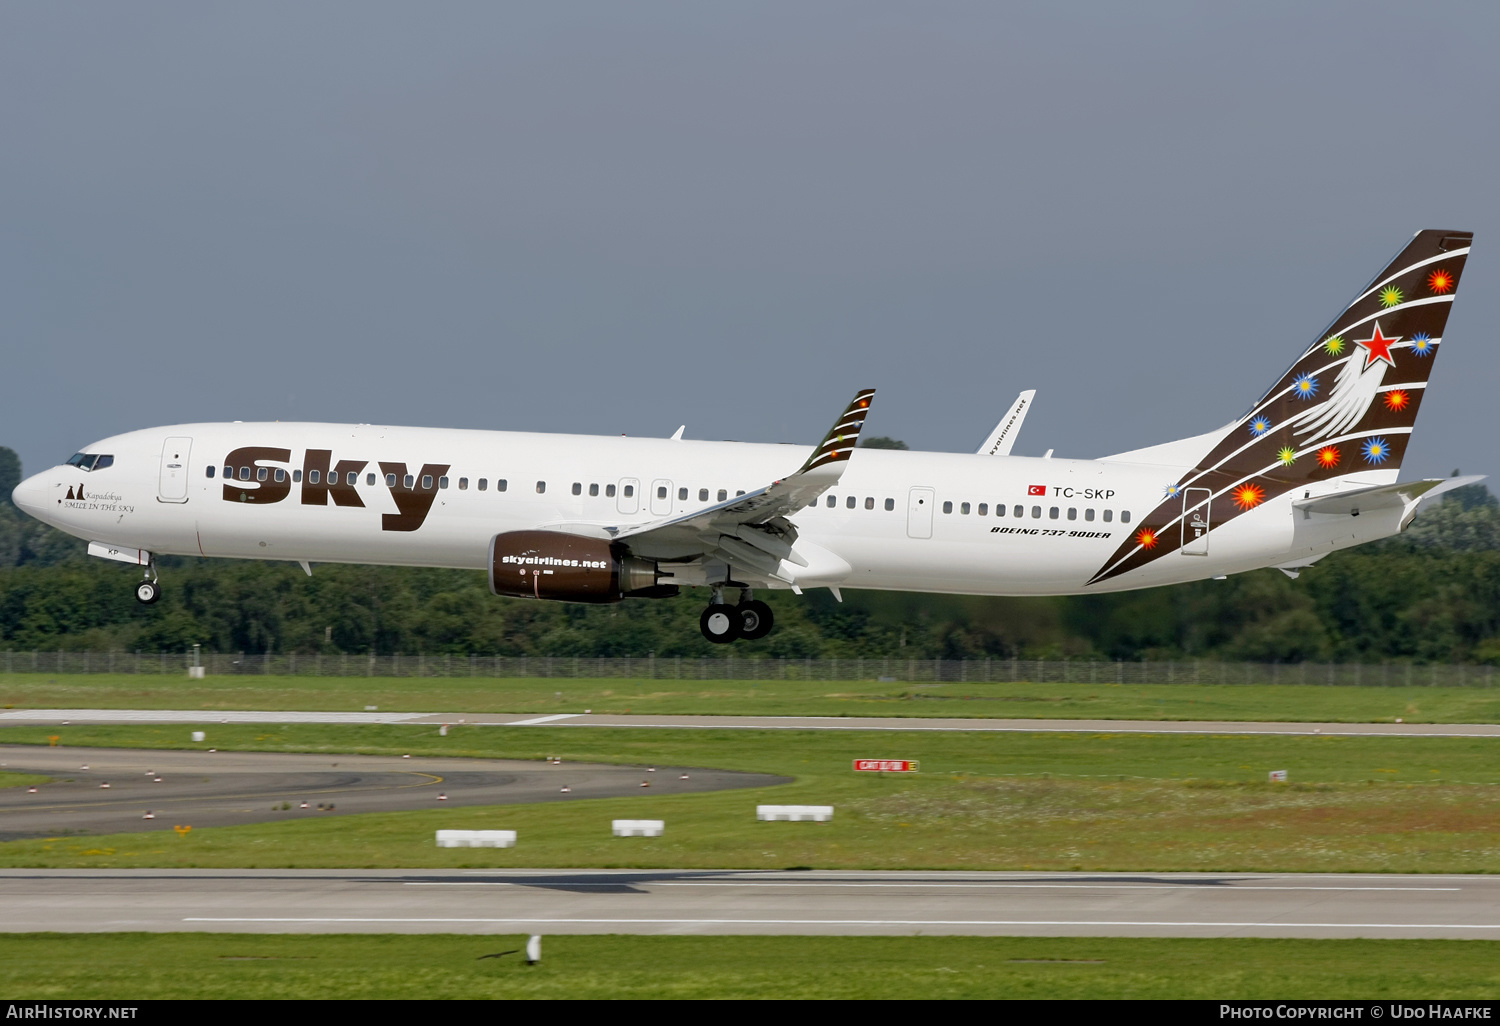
(172, 486)
(919, 502)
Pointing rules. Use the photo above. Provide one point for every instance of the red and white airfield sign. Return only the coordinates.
(885, 765)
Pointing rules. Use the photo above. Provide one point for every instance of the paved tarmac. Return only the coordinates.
(749, 902)
(54, 717)
(204, 789)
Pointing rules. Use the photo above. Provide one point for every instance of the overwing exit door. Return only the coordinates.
(628, 501)
(661, 498)
(1195, 525)
(919, 512)
(173, 483)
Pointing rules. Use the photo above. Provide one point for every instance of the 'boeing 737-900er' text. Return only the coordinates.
(1310, 468)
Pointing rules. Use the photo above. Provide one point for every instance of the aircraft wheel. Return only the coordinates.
(720, 624)
(147, 592)
(755, 619)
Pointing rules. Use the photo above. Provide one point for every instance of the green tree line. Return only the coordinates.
(1432, 594)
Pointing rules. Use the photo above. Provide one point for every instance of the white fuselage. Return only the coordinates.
(915, 523)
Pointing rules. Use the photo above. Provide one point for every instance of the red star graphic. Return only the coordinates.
(1377, 347)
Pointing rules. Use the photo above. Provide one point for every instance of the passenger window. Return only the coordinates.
(1052, 513)
(370, 480)
(947, 507)
(427, 482)
(890, 503)
(442, 482)
(999, 509)
(869, 502)
(963, 508)
(850, 502)
(210, 471)
(1072, 513)
(501, 484)
(1109, 515)
(406, 482)
(541, 487)
(723, 494)
(1088, 514)
(832, 502)
(390, 480)
(297, 475)
(681, 494)
(609, 491)
(661, 491)
(984, 509)
(280, 475)
(594, 489)
(577, 487)
(1036, 512)
(484, 484)
(463, 484)
(1124, 516)
(702, 494)
(739, 493)
(629, 491)
(228, 473)
(1018, 511)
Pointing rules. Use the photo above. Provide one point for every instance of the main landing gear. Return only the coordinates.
(750, 620)
(148, 591)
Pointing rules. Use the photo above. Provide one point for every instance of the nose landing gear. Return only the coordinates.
(722, 623)
(148, 591)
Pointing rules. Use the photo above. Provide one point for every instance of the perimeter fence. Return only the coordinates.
(649, 667)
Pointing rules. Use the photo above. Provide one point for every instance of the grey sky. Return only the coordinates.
(623, 217)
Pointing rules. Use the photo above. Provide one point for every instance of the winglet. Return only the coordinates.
(1004, 436)
(839, 443)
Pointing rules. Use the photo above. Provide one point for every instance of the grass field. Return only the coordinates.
(786, 698)
(127, 966)
(20, 779)
(1087, 801)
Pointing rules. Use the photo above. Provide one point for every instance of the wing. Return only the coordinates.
(751, 530)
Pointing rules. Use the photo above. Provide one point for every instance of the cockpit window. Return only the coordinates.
(90, 461)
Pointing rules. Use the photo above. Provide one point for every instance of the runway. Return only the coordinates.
(205, 789)
(732, 902)
(189, 717)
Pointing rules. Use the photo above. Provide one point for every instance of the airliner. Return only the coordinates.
(1310, 468)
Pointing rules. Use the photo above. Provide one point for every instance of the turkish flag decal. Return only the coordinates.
(1037, 490)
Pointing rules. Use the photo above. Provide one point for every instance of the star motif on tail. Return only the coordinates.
(1377, 348)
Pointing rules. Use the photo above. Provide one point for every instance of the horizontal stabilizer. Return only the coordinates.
(1354, 501)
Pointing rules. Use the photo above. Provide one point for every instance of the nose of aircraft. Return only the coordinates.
(31, 494)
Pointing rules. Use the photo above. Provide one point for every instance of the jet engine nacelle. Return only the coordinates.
(565, 567)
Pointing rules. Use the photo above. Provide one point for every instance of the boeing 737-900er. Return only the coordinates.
(1310, 468)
